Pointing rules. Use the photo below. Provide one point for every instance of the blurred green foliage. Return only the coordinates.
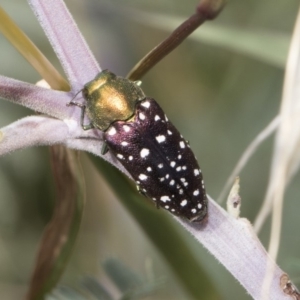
(128, 285)
(219, 96)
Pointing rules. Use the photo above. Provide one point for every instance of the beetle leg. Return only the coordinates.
(104, 149)
(140, 191)
(75, 103)
(83, 107)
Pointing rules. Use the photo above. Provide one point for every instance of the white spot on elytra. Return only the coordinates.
(183, 167)
(199, 205)
(196, 172)
(172, 210)
(124, 143)
(182, 144)
(146, 104)
(179, 156)
(169, 132)
(196, 193)
(194, 210)
(172, 182)
(183, 202)
(144, 152)
(126, 128)
(142, 116)
(172, 164)
(167, 176)
(167, 207)
(185, 183)
(154, 199)
(165, 198)
(130, 157)
(149, 169)
(112, 131)
(161, 179)
(182, 179)
(143, 176)
(178, 169)
(160, 138)
(120, 156)
(157, 117)
(160, 165)
(181, 191)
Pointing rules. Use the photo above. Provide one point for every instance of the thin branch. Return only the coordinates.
(234, 243)
(288, 136)
(250, 150)
(31, 53)
(206, 10)
(42, 100)
(38, 130)
(287, 139)
(72, 50)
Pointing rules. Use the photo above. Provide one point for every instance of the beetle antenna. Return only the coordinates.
(72, 102)
(77, 94)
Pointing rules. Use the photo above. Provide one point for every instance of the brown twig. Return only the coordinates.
(206, 10)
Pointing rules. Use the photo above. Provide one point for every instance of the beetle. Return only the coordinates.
(137, 131)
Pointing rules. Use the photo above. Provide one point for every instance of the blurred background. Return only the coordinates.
(220, 88)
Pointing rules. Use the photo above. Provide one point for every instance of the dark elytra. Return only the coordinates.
(159, 160)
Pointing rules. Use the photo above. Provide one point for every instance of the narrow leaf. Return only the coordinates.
(31, 53)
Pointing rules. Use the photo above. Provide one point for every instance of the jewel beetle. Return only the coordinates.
(146, 143)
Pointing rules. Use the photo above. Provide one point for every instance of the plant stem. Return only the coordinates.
(206, 10)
